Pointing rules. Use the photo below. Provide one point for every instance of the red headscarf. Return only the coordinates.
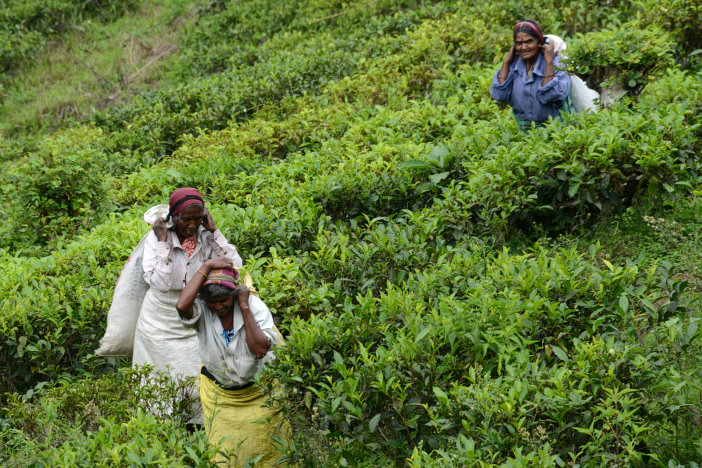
(531, 25)
(183, 198)
(227, 277)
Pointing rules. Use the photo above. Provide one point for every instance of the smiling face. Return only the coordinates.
(188, 221)
(526, 46)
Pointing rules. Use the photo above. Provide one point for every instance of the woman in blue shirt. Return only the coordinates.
(529, 80)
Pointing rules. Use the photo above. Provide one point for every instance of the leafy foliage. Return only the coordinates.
(400, 228)
(56, 190)
(93, 421)
(625, 54)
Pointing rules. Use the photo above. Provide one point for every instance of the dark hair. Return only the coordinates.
(216, 290)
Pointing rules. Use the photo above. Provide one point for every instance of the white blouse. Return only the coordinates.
(167, 266)
(232, 364)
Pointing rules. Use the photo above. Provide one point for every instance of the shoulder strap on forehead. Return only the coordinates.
(175, 208)
(532, 26)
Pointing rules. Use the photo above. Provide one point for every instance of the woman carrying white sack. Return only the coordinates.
(173, 252)
(530, 80)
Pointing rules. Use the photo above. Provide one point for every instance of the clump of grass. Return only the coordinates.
(91, 66)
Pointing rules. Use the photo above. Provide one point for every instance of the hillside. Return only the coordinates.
(453, 292)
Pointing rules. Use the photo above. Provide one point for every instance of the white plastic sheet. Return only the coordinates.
(128, 297)
(584, 99)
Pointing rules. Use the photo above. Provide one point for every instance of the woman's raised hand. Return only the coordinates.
(243, 294)
(510, 55)
(549, 51)
(218, 263)
(208, 221)
(504, 70)
(161, 230)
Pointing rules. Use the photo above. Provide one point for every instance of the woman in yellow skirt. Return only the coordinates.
(236, 334)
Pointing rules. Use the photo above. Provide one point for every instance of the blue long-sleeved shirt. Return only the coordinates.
(529, 100)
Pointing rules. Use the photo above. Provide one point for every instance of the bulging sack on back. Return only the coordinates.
(128, 297)
(584, 98)
(126, 304)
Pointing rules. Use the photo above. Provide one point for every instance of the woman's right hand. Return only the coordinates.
(161, 230)
(503, 73)
(219, 263)
(510, 55)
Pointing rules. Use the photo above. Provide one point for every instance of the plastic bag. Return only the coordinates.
(156, 212)
(584, 98)
(559, 44)
(126, 304)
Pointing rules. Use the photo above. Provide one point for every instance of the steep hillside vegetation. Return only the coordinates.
(453, 292)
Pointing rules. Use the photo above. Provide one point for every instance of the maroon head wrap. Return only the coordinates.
(183, 198)
(532, 27)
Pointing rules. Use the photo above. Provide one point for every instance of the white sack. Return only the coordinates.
(128, 297)
(559, 44)
(156, 212)
(126, 304)
(584, 98)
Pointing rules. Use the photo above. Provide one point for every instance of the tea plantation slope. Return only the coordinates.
(372, 195)
(426, 45)
(513, 352)
(271, 221)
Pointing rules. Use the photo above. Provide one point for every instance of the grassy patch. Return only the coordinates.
(92, 66)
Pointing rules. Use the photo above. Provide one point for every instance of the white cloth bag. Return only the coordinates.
(126, 304)
(584, 98)
(128, 297)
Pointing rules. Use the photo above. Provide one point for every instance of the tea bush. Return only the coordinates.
(93, 421)
(55, 191)
(681, 20)
(155, 122)
(626, 55)
(54, 307)
(377, 378)
(397, 223)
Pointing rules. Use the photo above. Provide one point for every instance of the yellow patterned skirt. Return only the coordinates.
(238, 421)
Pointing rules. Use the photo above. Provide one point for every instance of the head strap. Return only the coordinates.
(532, 26)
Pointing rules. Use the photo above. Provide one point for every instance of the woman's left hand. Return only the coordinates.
(208, 221)
(243, 295)
(549, 51)
(218, 263)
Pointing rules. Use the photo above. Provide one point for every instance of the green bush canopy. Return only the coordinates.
(453, 292)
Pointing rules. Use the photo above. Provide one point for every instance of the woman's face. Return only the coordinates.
(188, 221)
(526, 46)
(220, 305)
